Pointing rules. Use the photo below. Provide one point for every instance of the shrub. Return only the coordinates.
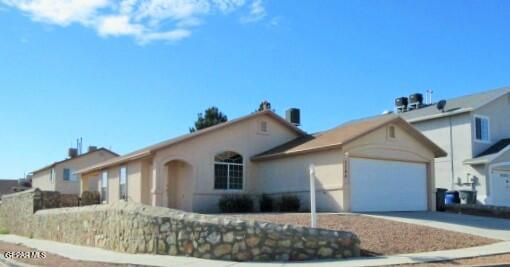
(4, 231)
(69, 200)
(266, 203)
(289, 203)
(235, 203)
(89, 198)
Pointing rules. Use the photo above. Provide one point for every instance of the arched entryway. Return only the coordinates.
(179, 185)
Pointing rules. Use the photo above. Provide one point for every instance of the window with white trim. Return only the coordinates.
(52, 175)
(104, 187)
(123, 182)
(482, 129)
(228, 171)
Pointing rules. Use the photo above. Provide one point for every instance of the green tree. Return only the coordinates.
(211, 117)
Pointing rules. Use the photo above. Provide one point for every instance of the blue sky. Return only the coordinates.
(124, 74)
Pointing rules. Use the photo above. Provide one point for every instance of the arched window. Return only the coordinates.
(228, 171)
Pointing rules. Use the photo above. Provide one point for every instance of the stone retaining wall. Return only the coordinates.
(135, 228)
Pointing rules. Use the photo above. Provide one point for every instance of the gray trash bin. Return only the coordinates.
(467, 197)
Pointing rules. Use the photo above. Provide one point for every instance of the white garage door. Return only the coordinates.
(380, 185)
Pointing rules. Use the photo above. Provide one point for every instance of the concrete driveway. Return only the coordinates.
(476, 225)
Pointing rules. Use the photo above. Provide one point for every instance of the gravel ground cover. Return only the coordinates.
(52, 259)
(380, 236)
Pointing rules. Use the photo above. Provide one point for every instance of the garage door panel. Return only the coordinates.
(379, 185)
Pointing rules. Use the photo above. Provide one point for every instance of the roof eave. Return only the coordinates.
(296, 153)
(152, 149)
(487, 158)
(476, 162)
(440, 115)
(114, 163)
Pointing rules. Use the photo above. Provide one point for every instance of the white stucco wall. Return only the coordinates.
(459, 138)
(497, 111)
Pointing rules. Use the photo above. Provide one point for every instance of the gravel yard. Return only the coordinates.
(382, 237)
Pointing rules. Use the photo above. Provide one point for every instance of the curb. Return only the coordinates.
(163, 260)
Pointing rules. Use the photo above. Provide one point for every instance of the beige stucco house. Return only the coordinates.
(60, 176)
(264, 153)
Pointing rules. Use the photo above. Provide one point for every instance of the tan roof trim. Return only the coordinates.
(77, 157)
(114, 162)
(438, 152)
(151, 149)
(297, 152)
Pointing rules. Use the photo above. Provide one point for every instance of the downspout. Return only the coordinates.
(451, 154)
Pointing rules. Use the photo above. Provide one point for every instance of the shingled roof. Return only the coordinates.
(491, 153)
(455, 105)
(500, 145)
(6, 187)
(79, 156)
(144, 152)
(341, 135)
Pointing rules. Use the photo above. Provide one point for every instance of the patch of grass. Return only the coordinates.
(4, 231)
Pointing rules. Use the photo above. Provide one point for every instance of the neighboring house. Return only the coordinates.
(475, 131)
(376, 164)
(8, 187)
(60, 176)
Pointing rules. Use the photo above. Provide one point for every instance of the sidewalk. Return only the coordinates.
(100, 255)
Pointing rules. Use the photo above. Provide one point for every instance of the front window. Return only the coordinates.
(104, 186)
(228, 171)
(69, 175)
(482, 129)
(123, 183)
(52, 175)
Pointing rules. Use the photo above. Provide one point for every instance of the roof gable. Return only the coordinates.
(77, 157)
(147, 151)
(343, 134)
